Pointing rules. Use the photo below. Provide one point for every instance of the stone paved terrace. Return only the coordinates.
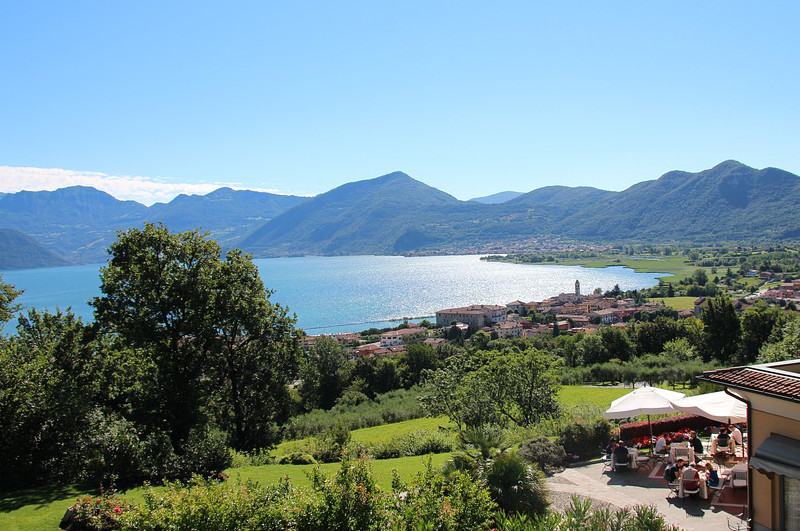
(647, 486)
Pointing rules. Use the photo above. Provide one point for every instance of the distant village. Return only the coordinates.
(570, 312)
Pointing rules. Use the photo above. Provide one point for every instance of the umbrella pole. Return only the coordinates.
(651, 431)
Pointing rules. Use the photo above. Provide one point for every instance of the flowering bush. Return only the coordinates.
(99, 514)
(676, 424)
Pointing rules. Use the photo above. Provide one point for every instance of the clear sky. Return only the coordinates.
(148, 99)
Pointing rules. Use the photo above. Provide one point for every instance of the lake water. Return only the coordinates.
(352, 293)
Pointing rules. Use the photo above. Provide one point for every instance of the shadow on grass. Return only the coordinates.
(40, 496)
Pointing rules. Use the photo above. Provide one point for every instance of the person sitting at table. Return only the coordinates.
(690, 478)
(723, 438)
(736, 435)
(621, 455)
(661, 445)
(673, 471)
(612, 444)
(696, 443)
(712, 476)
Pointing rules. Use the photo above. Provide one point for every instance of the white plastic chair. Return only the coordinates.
(739, 478)
(690, 481)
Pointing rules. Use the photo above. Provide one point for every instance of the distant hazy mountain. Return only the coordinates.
(20, 251)
(80, 222)
(499, 197)
(228, 214)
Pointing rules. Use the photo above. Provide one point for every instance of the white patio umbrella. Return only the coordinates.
(719, 406)
(643, 401)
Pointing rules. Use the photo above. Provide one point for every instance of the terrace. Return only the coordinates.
(646, 485)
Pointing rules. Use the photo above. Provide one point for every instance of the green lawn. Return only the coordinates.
(678, 303)
(376, 434)
(573, 395)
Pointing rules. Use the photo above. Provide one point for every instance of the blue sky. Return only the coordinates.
(148, 99)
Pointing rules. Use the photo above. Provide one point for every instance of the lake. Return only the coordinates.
(352, 293)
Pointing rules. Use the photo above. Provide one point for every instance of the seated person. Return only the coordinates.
(696, 443)
(736, 435)
(712, 476)
(661, 445)
(612, 444)
(690, 477)
(673, 471)
(621, 455)
(723, 439)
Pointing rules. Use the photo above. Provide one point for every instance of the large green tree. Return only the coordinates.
(325, 374)
(758, 323)
(253, 354)
(8, 306)
(48, 386)
(206, 330)
(722, 329)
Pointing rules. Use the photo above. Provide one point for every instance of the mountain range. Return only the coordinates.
(395, 214)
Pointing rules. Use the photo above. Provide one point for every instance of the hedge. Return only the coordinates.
(633, 430)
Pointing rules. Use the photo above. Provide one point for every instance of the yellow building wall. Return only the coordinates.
(765, 490)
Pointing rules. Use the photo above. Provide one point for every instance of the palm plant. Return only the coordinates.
(514, 484)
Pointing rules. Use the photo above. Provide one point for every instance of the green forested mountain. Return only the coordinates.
(730, 201)
(20, 252)
(396, 214)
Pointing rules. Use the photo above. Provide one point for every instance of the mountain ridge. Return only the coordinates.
(396, 214)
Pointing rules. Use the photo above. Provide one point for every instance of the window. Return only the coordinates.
(791, 504)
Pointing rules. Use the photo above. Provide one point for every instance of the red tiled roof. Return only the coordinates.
(757, 379)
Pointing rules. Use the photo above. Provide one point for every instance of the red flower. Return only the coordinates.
(118, 509)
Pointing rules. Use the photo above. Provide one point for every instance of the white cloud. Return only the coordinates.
(146, 190)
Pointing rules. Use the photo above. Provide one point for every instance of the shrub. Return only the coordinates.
(432, 500)
(632, 430)
(113, 449)
(542, 451)
(297, 458)
(259, 457)
(205, 453)
(350, 500)
(585, 439)
(514, 484)
(394, 406)
(210, 506)
(328, 447)
(420, 442)
(89, 513)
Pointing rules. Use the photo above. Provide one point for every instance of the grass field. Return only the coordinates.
(678, 303)
(376, 434)
(43, 507)
(573, 395)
